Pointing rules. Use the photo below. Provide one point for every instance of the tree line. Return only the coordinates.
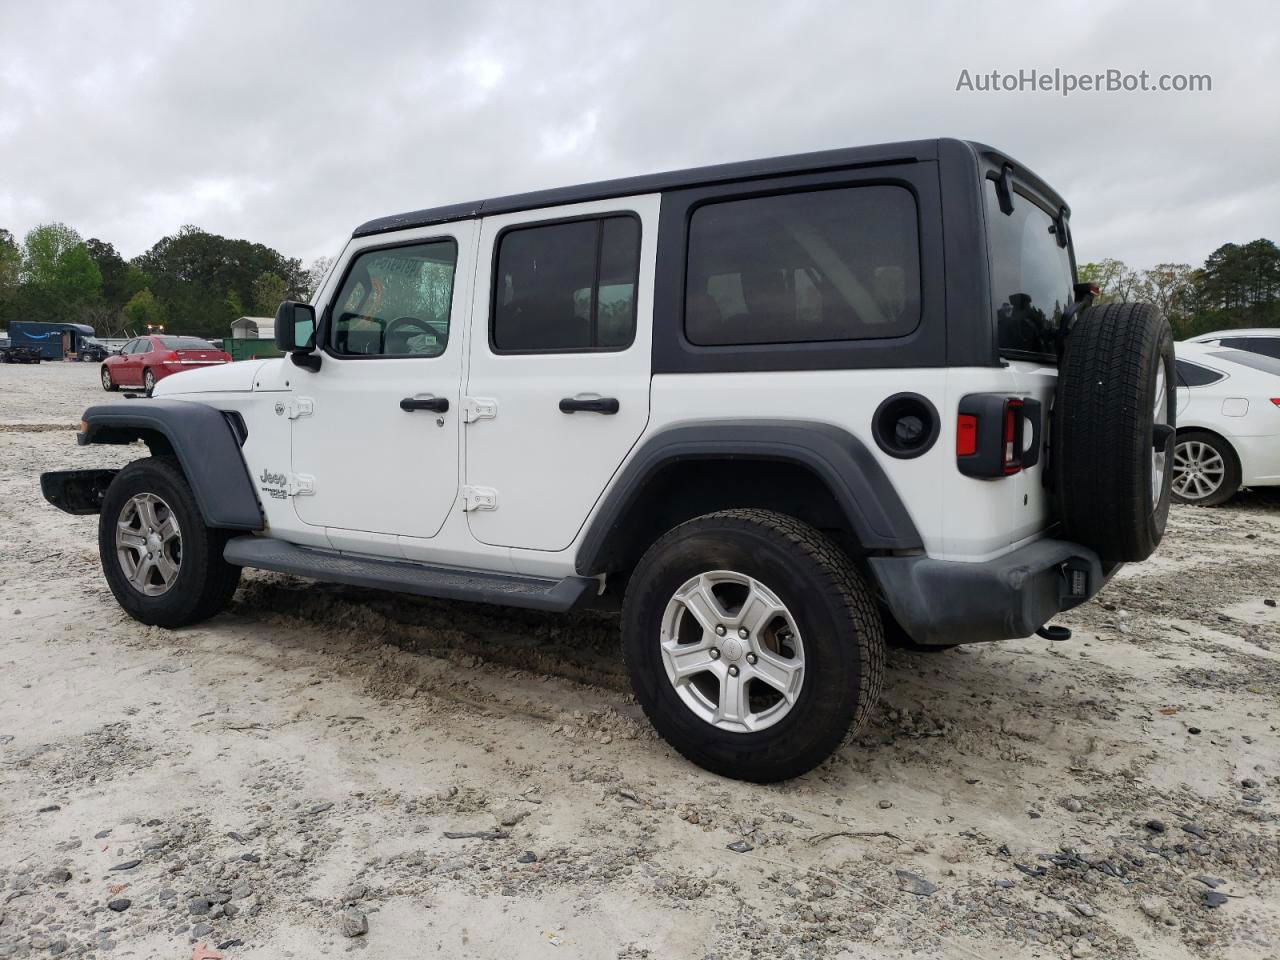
(1238, 286)
(196, 282)
(193, 282)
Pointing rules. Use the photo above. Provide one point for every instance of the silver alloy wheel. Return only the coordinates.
(148, 381)
(1198, 470)
(732, 651)
(106, 379)
(1160, 417)
(149, 544)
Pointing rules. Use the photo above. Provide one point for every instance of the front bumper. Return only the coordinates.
(944, 602)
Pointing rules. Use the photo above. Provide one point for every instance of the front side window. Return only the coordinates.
(395, 302)
(840, 264)
(567, 286)
(1031, 280)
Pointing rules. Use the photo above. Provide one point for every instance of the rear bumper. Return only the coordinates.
(942, 602)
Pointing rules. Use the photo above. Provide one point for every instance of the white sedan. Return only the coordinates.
(1228, 423)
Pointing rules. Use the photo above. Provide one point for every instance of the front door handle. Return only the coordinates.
(434, 404)
(606, 405)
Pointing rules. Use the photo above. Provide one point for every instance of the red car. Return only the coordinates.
(141, 362)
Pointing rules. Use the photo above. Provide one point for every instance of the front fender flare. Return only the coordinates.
(205, 442)
(875, 512)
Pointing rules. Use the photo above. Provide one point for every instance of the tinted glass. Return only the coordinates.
(187, 343)
(1267, 346)
(1255, 361)
(1194, 375)
(396, 302)
(567, 286)
(822, 265)
(1030, 276)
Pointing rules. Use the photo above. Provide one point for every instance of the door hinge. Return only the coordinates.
(296, 407)
(301, 485)
(478, 408)
(479, 498)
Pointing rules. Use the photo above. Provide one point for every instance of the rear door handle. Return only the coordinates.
(434, 404)
(606, 405)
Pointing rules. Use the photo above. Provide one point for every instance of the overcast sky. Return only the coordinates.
(290, 123)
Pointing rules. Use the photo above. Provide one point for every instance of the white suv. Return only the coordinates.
(776, 411)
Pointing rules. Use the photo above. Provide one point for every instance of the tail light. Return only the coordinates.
(170, 357)
(1276, 401)
(991, 435)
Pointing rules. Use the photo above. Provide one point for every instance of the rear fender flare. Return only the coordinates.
(864, 492)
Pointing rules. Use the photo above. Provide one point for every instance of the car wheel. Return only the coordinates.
(148, 381)
(1205, 471)
(107, 382)
(752, 644)
(163, 565)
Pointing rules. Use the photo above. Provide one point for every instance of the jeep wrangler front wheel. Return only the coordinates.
(752, 644)
(163, 564)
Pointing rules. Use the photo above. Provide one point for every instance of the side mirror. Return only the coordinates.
(295, 333)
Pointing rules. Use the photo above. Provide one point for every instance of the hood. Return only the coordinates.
(224, 378)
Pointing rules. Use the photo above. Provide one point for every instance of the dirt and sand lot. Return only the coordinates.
(469, 781)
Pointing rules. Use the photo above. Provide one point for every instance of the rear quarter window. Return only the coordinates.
(823, 265)
(1194, 375)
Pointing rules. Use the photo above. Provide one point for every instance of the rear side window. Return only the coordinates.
(1194, 375)
(838, 264)
(395, 302)
(1267, 346)
(566, 287)
(1031, 280)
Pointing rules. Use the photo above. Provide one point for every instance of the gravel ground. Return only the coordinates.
(325, 769)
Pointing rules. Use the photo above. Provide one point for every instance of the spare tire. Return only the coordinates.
(1113, 430)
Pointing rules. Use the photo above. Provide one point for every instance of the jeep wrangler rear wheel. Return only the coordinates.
(1113, 430)
(163, 564)
(752, 644)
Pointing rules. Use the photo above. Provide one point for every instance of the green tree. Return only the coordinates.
(10, 272)
(269, 291)
(61, 273)
(143, 310)
(192, 271)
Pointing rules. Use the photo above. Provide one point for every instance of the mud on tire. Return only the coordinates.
(833, 612)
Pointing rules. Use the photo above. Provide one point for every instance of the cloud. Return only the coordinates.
(290, 123)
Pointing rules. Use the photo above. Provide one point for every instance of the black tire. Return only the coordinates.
(1230, 468)
(148, 382)
(834, 613)
(1104, 430)
(108, 381)
(204, 583)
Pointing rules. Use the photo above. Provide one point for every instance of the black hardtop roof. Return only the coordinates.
(877, 154)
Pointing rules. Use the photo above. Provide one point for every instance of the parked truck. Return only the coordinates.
(53, 341)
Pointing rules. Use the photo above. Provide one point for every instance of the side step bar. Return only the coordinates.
(447, 583)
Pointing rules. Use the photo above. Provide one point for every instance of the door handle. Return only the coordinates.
(606, 405)
(434, 404)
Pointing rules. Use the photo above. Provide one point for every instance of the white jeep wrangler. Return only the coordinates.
(777, 411)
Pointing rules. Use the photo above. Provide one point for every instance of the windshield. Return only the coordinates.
(1031, 280)
(187, 343)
